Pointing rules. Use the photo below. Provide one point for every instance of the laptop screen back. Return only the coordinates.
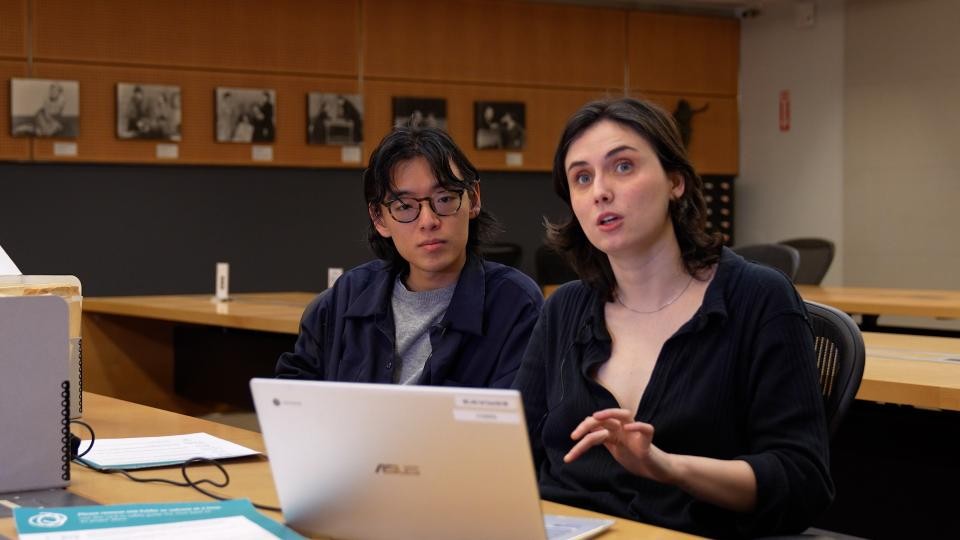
(385, 461)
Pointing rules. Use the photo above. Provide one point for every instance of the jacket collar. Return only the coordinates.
(464, 313)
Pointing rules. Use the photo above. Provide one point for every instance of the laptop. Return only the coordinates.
(354, 460)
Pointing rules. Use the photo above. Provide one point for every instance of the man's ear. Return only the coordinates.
(474, 194)
(377, 217)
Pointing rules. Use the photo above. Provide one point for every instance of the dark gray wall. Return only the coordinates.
(160, 229)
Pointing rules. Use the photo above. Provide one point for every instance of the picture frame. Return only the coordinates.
(148, 111)
(420, 112)
(500, 125)
(44, 108)
(246, 115)
(334, 119)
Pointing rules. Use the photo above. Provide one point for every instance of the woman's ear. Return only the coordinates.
(678, 185)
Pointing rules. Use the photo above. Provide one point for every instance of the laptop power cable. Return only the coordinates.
(184, 467)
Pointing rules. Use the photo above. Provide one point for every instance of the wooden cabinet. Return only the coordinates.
(673, 57)
(714, 138)
(280, 36)
(11, 148)
(683, 53)
(491, 41)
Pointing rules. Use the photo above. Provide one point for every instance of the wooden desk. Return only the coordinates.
(930, 303)
(128, 341)
(249, 477)
(267, 312)
(903, 369)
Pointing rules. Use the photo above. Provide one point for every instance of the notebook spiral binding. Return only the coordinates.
(65, 430)
(80, 373)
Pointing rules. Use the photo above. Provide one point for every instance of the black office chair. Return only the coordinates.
(840, 359)
(504, 253)
(816, 255)
(783, 258)
(551, 268)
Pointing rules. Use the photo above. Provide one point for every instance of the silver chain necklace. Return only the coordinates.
(661, 308)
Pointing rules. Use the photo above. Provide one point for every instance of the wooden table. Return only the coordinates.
(128, 350)
(875, 301)
(249, 477)
(929, 303)
(128, 341)
(267, 312)
(911, 370)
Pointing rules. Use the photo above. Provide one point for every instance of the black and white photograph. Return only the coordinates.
(420, 112)
(500, 125)
(148, 111)
(335, 119)
(44, 108)
(246, 115)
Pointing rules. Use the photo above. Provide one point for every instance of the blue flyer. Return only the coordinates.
(235, 519)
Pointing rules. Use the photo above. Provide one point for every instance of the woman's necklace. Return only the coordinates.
(661, 308)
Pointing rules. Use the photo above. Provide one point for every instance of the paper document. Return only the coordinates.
(142, 452)
(7, 268)
(227, 520)
(574, 528)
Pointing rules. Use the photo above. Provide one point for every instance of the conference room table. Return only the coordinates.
(876, 301)
(128, 348)
(249, 477)
(129, 341)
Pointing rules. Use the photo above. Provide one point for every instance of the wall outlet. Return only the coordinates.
(332, 275)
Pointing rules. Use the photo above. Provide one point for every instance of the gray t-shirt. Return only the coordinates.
(413, 315)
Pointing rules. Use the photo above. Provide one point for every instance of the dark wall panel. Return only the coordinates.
(160, 229)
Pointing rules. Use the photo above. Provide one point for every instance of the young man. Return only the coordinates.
(430, 310)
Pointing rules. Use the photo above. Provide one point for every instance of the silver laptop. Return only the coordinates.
(376, 461)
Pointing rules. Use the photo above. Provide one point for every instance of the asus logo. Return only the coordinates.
(392, 468)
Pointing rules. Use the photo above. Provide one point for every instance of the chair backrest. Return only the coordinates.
(503, 252)
(783, 258)
(840, 359)
(816, 255)
(551, 269)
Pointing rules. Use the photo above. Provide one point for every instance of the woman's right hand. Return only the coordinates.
(628, 441)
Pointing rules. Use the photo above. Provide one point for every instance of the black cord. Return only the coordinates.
(93, 437)
(188, 482)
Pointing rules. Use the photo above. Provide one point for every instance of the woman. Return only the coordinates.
(675, 383)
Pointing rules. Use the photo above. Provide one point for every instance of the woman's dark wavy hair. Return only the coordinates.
(436, 146)
(699, 250)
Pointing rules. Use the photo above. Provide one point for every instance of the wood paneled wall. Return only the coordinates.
(279, 36)
(495, 42)
(13, 28)
(553, 57)
(672, 57)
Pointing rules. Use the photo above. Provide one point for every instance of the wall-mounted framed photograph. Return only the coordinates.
(500, 125)
(148, 111)
(335, 119)
(420, 112)
(246, 115)
(44, 108)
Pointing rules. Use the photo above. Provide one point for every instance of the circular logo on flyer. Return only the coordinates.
(47, 520)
